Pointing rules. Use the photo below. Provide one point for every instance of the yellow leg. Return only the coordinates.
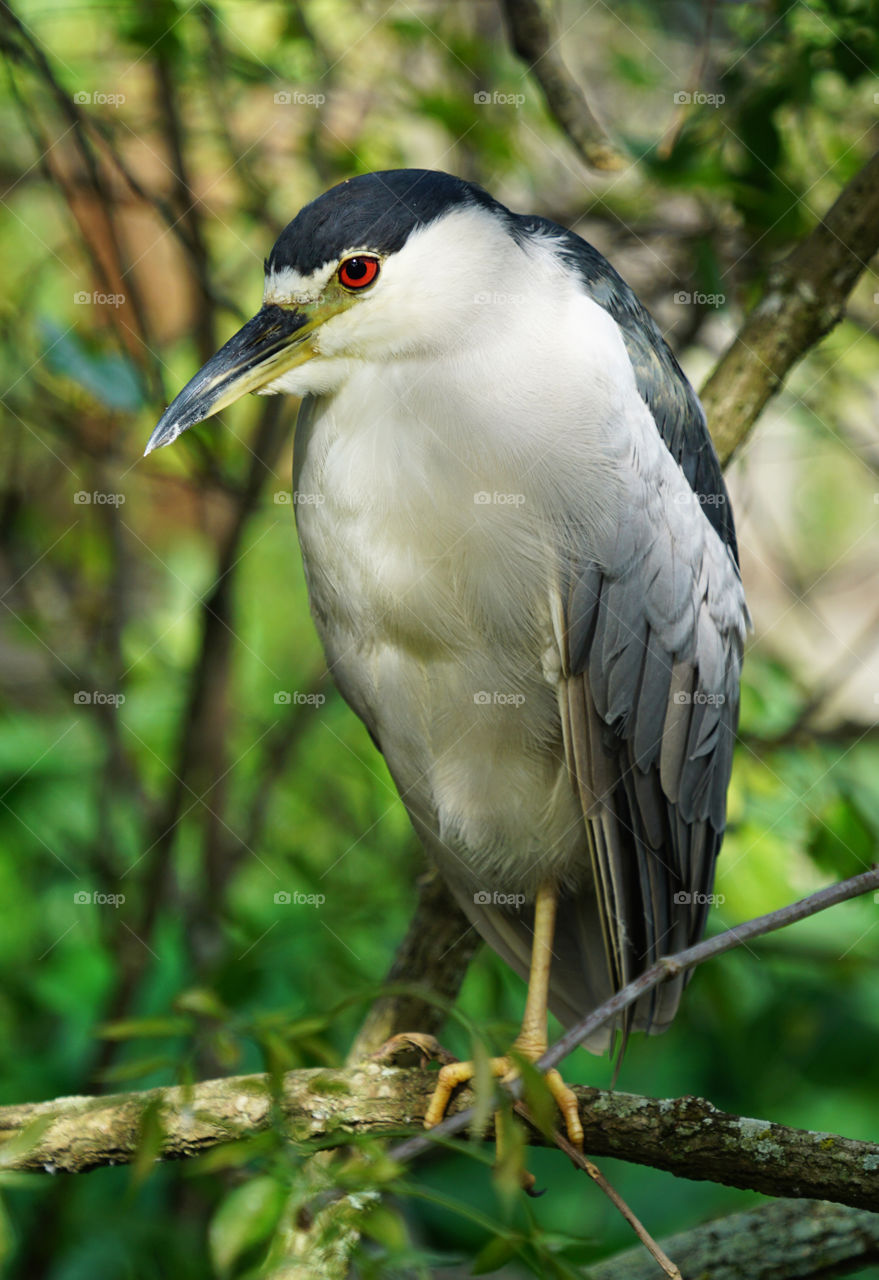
(531, 1040)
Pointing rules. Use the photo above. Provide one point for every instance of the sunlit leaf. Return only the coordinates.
(247, 1216)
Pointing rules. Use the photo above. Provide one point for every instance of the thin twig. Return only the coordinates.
(671, 966)
(533, 41)
(666, 143)
(665, 968)
(593, 1171)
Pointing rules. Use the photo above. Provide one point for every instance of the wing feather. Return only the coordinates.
(653, 631)
(650, 726)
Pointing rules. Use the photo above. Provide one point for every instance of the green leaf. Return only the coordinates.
(131, 1028)
(149, 1143)
(493, 1255)
(536, 1095)
(246, 1217)
(21, 1180)
(202, 1001)
(24, 1141)
(386, 1227)
(134, 1070)
(292, 1028)
(483, 1084)
(7, 1237)
(842, 840)
(232, 1155)
(225, 1048)
(277, 1053)
(509, 1169)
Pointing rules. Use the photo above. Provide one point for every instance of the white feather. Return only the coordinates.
(474, 367)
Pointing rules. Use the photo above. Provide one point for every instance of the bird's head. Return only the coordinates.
(382, 266)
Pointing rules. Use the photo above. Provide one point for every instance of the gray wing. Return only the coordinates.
(651, 642)
(649, 703)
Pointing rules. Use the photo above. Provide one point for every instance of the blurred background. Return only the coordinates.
(204, 867)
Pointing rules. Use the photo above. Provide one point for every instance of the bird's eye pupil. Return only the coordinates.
(357, 273)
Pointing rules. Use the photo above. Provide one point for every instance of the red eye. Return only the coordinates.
(357, 273)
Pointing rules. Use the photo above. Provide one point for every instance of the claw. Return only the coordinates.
(457, 1073)
(530, 1043)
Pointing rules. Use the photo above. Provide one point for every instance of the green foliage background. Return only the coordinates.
(204, 970)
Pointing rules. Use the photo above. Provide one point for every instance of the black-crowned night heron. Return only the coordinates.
(521, 560)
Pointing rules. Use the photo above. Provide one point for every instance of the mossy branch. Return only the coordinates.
(806, 297)
(685, 1136)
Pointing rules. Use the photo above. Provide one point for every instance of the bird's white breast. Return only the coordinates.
(433, 499)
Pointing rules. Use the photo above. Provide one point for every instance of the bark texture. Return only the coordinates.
(785, 1240)
(685, 1136)
(807, 294)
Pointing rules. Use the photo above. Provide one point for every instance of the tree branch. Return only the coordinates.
(534, 43)
(685, 1136)
(805, 299)
(800, 1239)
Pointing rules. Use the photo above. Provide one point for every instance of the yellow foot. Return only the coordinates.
(456, 1073)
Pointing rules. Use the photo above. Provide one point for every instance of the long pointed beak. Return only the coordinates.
(269, 344)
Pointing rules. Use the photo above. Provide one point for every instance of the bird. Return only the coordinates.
(521, 561)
